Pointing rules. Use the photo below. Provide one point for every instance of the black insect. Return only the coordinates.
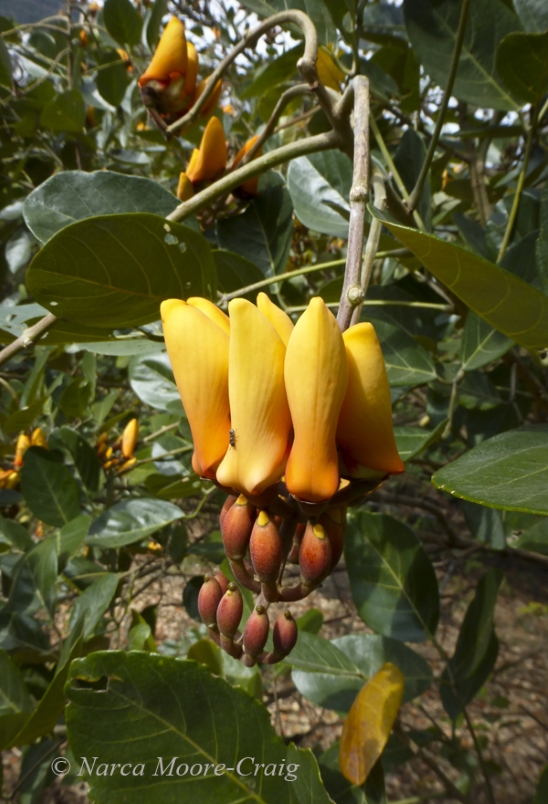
(232, 438)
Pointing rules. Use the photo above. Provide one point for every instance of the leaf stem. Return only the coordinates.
(519, 189)
(414, 198)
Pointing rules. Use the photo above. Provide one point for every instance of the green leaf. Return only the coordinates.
(504, 301)
(408, 160)
(72, 536)
(85, 458)
(5, 65)
(486, 524)
(317, 10)
(49, 489)
(542, 242)
(122, 21)
(541, 794)
(14, 534)
(66, 112)
(130, 521)
(481, 344)
(263, 233)
(274, 73)
(411, 441)
(93, 602)
(159, 10)
(330, 674)
(187, 715)
(432, 27)
(235, 272)
(533, 14)
(75, 195)
(151, 379)
(21, 632)
(319, 186)
(509, 471)
(15, 701)
(34, 579)
(113, 271)
(112, 78)
(476, 650)
(339, 788)
(392, 579)
(407, 363)
(522, 62)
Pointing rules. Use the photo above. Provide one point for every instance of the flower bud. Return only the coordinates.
(227, 505)
(230, 610)
(265, 548)
(293, 557)
(130, 436)
(333, 522)
(256, 632)
(209, 597)
(38, 439)
(315, 555)
(221, 579)
(284, 635)
(251, 186)
(185, 189)
(236, 528)
(208, 161)
(23, 443)
(170, 57)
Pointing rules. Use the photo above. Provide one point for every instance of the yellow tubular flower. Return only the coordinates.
(251, 186)
(279, 320)
(130, 437)
(364, 432)
(198, 351)
(258, 404)
(23, 443)
(191, 69)
(212, 311)
(213, 99)
(185, 190)
(170, 57)
(38, 439)
(329, 72)
(210, 160)
(316, 376)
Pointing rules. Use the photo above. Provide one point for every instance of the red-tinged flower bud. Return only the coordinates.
(265, 548)
(256, 632)
(228, 503)
(209, 597)
(23, 443)
(293, 557)
(334, 524)
(221, 579)
(315, 555)
(236, 528)
(230, 611)
(284, 635)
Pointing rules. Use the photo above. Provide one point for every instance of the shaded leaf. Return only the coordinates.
(522, 62)
(509, 471)
(481, 344)
(369, 723)
(407, 363)
(66, 112)
(533, 14)
(122, 21)
(130, 521)
(319, 186)
(411, 441)
(49, 489)
(151, 379)
(392, 579)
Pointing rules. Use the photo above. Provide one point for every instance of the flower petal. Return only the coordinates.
(191, 69)
(198, 351)
(365, 433)
(212, 311)
(316, 376)
(258, 403)
(170, 56)
(210, 160)
(280, 321)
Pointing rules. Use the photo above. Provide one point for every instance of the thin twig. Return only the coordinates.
(351, 292)
(28, 337)
(379, 194)
(273, 280)
(417, 189)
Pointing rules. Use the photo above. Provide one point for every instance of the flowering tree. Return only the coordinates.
(269, 275)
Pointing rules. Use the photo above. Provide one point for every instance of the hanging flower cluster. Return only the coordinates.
(10, 477)
(170, 85)
(293, 423)
(209, 161)
(120, 455)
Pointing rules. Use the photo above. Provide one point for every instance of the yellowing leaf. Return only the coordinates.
(369, 723)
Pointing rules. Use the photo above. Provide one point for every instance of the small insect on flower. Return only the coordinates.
(232, 438)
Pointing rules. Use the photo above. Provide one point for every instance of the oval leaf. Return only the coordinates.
(509, 471)
(49, 489)
(504, 301)
(369, 723)
(319, 187)
(522, 61)
(114, 271)
(130, 521)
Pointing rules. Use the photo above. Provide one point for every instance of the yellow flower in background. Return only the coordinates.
(365, 434)
(208, 161)
(130, 437)
(251, 186)
(259, 412)
(22, 445)
(198, 351)
(316, 377)
(329, 72)
(170, 57)
(185, 189)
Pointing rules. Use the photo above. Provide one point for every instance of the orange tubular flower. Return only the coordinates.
(251, 186)
(210, 159)
(198, 351)
(170, 57)
(364, 432)
(316, 377)
(261, 422)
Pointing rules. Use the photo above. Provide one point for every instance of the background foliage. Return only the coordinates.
(459, 299)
